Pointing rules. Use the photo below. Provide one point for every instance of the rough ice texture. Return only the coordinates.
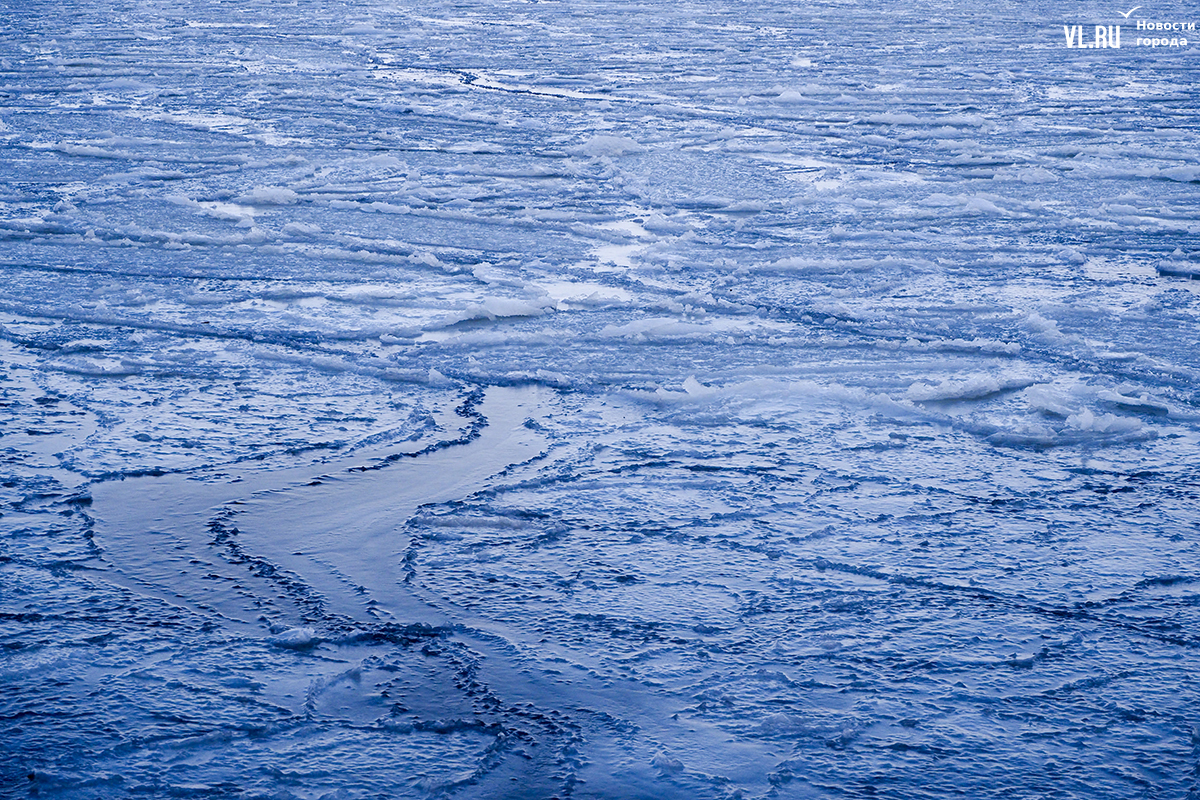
(530, 400)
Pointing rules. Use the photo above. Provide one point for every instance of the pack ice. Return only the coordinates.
(597, 400)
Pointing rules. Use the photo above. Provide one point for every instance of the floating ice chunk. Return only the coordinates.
(610, 146)
(620, 255)
(582, 293)
(474, 147)
(557, 378)
(1036, 175)
(35, 662)
(976, 387)
(823, 265)
(300, 230)
(976, 345)
(1142, 403)
(428, 258)
(792, 96)
(657, 223)
(759, 396)
(982, 205)
(664, 762)
(126, 85)
(385, 161)
(1042, 328)
(696, 388)
(745, 207)
(974, 204)
(84, 346)
(143, 174)
(1071, 255)
(495, 308)
(882, 141)
(1045, 399)
(270, 196)
(1105, 423)
(780, 723)
(1188, 174)
(297, 639)
(1026, 434)
(706, 201)
(654, 326)
(894, 118)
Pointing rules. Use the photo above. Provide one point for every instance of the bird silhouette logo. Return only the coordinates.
(1130, 11)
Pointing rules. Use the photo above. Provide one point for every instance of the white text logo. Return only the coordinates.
(1106, 36)
(1164, 28)
(1162, 34)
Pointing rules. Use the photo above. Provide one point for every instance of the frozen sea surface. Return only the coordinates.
(597, 400)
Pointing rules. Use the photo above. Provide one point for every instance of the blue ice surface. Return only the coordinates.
(574, 399)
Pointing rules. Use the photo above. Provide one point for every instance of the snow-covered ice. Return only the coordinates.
(565, 399)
